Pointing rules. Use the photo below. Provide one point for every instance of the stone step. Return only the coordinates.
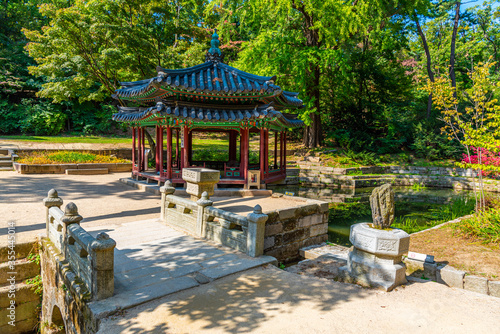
(6, 168)
(5, 163)
(88, 171)
(23, 292)
(22, 270)
(4, 151)
(22, 250)
(5, 158)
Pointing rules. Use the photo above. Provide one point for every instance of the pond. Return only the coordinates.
(416, 208)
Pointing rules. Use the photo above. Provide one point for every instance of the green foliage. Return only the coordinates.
(483, 226)
(36, 284)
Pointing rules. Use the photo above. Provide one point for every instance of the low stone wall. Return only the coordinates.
(278, 233)
(122, 153)
(317, 176)
(23, 315)
(452, 277)
(290, 229)
(61, 168)
(200, 218)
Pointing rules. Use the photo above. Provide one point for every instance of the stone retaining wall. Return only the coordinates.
(290, 229)
(61, 168)
(122, 153)
(362, 177)
(26, 300)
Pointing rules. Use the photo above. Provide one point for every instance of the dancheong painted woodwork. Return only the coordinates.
(210, 97)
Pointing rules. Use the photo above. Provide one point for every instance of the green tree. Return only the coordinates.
(475, 125)
(299, 40)
(90, 46)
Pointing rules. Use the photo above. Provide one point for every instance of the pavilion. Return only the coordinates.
(210, 97)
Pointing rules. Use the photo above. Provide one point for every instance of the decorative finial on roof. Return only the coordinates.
(214, 54)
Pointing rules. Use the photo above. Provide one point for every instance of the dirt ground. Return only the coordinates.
(472, 257)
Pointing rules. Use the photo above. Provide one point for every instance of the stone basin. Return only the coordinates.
(200, 175)
(392, 242)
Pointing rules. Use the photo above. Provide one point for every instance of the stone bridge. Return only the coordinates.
(90, 275)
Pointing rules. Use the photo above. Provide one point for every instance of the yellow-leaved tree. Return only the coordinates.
(471, 116)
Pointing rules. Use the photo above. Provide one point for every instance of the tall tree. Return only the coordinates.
(296, 40)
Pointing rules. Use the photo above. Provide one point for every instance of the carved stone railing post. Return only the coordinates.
(167, 189)
(71, 216)
(203, 202)
(102, 263)
(52, 199)
(256, 230)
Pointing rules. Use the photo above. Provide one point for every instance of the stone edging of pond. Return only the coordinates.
(363, 177)
(443, 274)
(62, 168)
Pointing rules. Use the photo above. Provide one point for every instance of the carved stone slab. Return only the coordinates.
(382, 204)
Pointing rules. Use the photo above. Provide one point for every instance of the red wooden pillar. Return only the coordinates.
(262, 153)
(139, 149)
(169, 152)
(284, 150)
(281, 150)
(190, 147)
(266, 151)
(161, 150)
(184, 147)
(275, 150)
(177, 158)
(244, 152)
(232, 145)
(133, 149)
(157, 153)
(144, 157)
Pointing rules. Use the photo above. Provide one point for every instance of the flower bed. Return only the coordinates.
(60, 161)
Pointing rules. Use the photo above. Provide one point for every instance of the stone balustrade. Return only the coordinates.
(89, 259)
(201, 219)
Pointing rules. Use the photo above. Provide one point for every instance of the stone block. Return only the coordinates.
(476, 284)
(23, 294)
(268, 242)
(287, 213)
(295, 236)
(450, 276)
(418, 269)
(494, 288)
(310, 220)
(23, 268)
(290, 225)
(274, 229)
(87, 171)
(318, 229)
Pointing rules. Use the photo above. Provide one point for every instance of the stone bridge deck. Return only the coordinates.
(153, 260)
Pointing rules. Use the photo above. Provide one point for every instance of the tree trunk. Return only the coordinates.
(429, 64)
(313, 134)
(452, 50)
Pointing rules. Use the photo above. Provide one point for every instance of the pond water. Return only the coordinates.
(416, 209)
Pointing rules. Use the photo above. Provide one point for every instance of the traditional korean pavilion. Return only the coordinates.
(210, 97)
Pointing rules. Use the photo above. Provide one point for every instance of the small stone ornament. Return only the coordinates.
(382, 205)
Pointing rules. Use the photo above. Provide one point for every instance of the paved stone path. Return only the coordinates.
(153, 260)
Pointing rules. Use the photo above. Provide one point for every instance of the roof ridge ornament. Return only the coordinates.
(214, 54)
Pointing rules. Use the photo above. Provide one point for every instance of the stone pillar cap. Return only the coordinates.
(71, 215)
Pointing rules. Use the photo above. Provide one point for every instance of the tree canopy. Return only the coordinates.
(360, 65)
